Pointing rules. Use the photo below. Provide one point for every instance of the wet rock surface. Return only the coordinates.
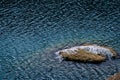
(87, 53)
(114, 77)
(82, 56)
(31, 31)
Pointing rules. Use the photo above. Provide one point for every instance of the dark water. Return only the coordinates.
(32, 30)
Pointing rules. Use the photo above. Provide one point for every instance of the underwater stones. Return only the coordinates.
(86, 53)
(114, 77)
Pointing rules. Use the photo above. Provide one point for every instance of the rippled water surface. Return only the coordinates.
(31, 31)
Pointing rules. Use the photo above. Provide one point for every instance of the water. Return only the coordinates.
(32, 31)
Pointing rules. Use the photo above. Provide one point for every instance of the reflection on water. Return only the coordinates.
(31, 31)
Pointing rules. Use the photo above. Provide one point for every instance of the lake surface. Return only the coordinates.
(31, 31)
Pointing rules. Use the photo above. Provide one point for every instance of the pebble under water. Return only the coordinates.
(31, 31)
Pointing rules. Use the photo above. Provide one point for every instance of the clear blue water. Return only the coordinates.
(32, 31)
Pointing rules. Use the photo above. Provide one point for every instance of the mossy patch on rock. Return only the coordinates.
(114, 77)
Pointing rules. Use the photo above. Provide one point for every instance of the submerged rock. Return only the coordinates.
(86, 53)
(114, 77)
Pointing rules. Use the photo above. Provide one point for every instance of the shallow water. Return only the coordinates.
(32, 31)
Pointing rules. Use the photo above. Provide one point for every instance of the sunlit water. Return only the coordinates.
(32, 31)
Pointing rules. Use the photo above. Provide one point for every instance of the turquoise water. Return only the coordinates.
(32, 31)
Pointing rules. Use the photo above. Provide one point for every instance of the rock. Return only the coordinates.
(83, 56)
(109, 49)
(86, 53)
(114, 77)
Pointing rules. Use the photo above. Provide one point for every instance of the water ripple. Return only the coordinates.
(32, 30)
